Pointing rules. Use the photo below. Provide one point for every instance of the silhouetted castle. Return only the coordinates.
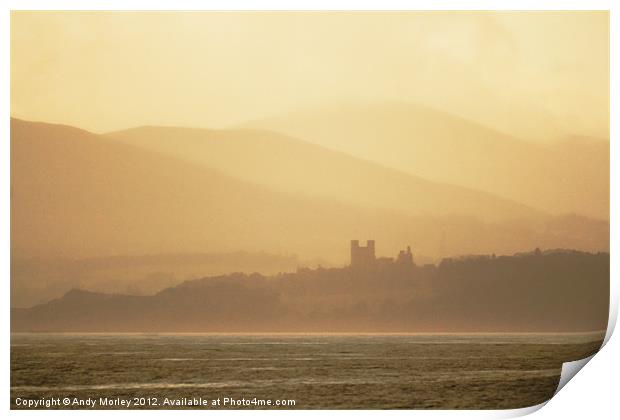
(364, 256)
(405, 257)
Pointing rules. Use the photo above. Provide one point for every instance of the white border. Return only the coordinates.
(596, 385)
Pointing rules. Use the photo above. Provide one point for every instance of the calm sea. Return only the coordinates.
(316, 371)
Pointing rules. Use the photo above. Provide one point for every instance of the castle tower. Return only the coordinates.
(370, 246)
(362, 256)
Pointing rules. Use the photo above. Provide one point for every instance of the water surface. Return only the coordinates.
(317, 371)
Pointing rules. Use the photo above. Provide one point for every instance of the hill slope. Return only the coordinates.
(291, 165)
(75, 194)
(570, 175)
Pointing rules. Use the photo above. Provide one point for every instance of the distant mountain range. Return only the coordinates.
(550, 292)
(152, 190)
(297, 167)
(565, 175)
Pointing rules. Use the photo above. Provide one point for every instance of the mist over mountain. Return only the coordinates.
(546, 292)
(303, 168)
(76, 195)
(569, 174)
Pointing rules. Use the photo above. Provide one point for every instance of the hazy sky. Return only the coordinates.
(535, 74)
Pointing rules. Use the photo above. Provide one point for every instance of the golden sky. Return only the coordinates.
(537, 75)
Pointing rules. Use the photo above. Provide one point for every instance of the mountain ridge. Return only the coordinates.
(556, 176)
(77, 194)
(288, 164)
